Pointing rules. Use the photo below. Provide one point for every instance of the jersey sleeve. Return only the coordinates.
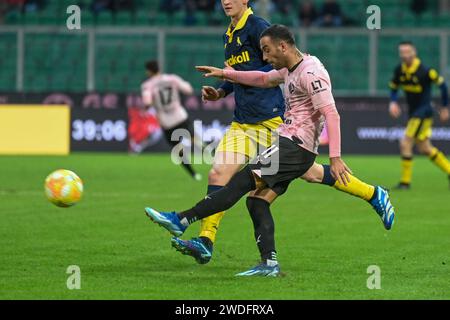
(182, 85)
(395, 80)
(227, 87)
(318, 85)
(146, 95)
(437, 79)
(256, 78)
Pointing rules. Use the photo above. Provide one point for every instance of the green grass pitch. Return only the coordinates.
(326, 240)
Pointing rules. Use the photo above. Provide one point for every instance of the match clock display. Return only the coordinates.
(99, 130)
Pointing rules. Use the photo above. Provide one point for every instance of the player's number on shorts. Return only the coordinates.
(165, 96)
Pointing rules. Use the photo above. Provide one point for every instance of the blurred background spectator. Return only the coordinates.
(170, 6)
(418, 6)
(114, 6)
(33, 5)
(330, 15)
(207, 6)
(283, 6)
(307, 14)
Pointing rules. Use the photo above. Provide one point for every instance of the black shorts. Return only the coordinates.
(282, 163)
(187, 125)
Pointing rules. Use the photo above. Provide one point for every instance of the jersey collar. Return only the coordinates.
(296, 66)
(413, 68)
(241, 23)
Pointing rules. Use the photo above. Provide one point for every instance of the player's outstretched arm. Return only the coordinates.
(338, 167)
(250, 78)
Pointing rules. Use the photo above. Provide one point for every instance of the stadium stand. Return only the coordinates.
(58, 61)
(151, 12)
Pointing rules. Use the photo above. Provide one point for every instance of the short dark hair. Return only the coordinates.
(406, 43)
(280, 33)
(152, 66)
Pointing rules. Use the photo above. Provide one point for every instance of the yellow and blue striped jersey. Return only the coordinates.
(243, 53)
(416, 81)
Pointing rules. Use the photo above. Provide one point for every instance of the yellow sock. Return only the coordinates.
(356, 188)
(210, 225)
(406, 174)
(440, 160)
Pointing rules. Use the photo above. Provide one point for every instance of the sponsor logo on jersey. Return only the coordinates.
(412, 88)
(241, 58)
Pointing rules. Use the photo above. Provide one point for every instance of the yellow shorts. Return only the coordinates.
(244, 138)
(419, 129)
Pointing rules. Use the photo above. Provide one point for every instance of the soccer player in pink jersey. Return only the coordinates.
(309, 103)
(162, 91)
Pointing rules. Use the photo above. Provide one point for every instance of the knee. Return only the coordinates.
(221, 174)
(310, 177)
(406, 144)
(403, 144)
(213, 176)
(315, 173)
(216, 175)
(424, 148)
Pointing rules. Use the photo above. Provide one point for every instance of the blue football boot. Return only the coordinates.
(168, 220)
(261, 270)
(383, 206)
(196, 248)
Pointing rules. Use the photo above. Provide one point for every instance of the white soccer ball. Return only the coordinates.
(63, 188)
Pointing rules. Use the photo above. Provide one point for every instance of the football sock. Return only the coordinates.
(212, 188)
(406, 173)
(264, 228)
(327, 177)
(223, 199)
(440, 160)
(355, 187)
(209, 225)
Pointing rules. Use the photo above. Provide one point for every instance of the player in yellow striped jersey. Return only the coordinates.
(416, 81)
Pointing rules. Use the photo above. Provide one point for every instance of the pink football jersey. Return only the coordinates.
(163, 93)
(306, 90)
(309, 101)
